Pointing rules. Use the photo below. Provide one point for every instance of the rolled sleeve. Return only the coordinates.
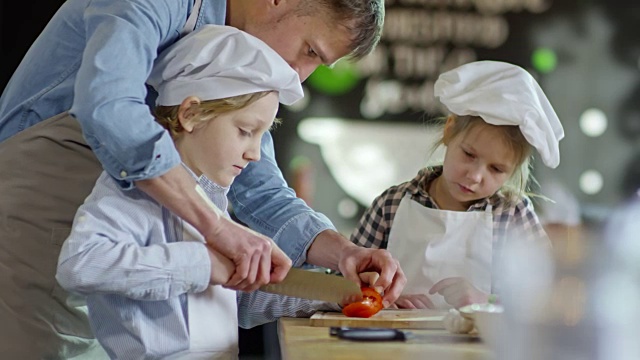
(297, 234)
(123, 39)
(150, 159)
(263, 201)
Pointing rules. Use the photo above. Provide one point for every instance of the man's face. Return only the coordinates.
(305, 42)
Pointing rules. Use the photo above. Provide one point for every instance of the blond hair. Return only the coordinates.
(167, 116)
(518, 183)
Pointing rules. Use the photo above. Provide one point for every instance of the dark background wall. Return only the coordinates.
(20, 24)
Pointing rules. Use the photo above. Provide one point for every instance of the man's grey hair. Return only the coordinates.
(363, 18)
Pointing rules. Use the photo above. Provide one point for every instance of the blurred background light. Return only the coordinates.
(544, 60)
(372, 107)
(593, 122)
(365, 157)
(591, 182)
(347, 208)
(336, 80)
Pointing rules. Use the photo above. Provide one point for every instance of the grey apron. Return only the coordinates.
(46, 172)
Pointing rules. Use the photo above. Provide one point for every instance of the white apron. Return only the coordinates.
(432, 245)
(213, 318)
(213, 313)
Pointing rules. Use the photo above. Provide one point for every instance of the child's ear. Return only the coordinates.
(446, 138)
(187, 112)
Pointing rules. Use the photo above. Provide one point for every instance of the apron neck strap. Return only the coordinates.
(190, 25)
(489, 207)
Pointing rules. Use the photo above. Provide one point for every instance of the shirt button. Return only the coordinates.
(123, 174)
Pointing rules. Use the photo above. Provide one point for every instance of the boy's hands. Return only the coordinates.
(221, 268)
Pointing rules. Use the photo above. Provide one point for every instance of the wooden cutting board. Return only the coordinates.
(387, 318)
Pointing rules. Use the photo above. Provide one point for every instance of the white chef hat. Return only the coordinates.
(216, 62)
(503, 94)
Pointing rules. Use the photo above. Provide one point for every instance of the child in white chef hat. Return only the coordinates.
(151, 284)
(446, 225)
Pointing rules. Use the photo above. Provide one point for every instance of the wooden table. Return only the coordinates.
(298, 340)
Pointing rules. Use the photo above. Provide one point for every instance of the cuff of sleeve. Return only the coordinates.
(327, 306)
(195, 271)
(297, 234)
(163, 157)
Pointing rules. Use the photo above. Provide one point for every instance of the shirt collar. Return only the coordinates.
(210, 187)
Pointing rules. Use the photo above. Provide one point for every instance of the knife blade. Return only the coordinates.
(316, 286)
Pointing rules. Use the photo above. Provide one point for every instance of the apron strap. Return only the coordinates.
(190, 25)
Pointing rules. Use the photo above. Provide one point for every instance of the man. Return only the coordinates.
(62, 117)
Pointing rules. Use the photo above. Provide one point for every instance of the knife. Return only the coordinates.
(315, 285)
(303, 283)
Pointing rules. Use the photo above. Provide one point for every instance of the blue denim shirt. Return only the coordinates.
(93, 59)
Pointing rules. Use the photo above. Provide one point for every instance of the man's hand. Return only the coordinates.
(332, 250)
(355, 260)
(280, 264)
(250, 254)
(369, 278)
(256, 258)
(458, 292)
(222, 269)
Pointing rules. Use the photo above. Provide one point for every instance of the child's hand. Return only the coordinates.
(414, 301)
(221, 267)
(458, 292)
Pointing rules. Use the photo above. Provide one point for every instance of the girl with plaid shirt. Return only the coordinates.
(446, 226)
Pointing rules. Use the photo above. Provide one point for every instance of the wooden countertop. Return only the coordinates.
(298, 340)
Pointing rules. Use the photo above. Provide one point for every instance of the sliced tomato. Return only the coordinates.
(370, 304)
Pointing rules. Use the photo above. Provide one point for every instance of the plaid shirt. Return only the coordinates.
(375, 225)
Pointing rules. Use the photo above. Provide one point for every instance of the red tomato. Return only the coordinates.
(370, 304)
